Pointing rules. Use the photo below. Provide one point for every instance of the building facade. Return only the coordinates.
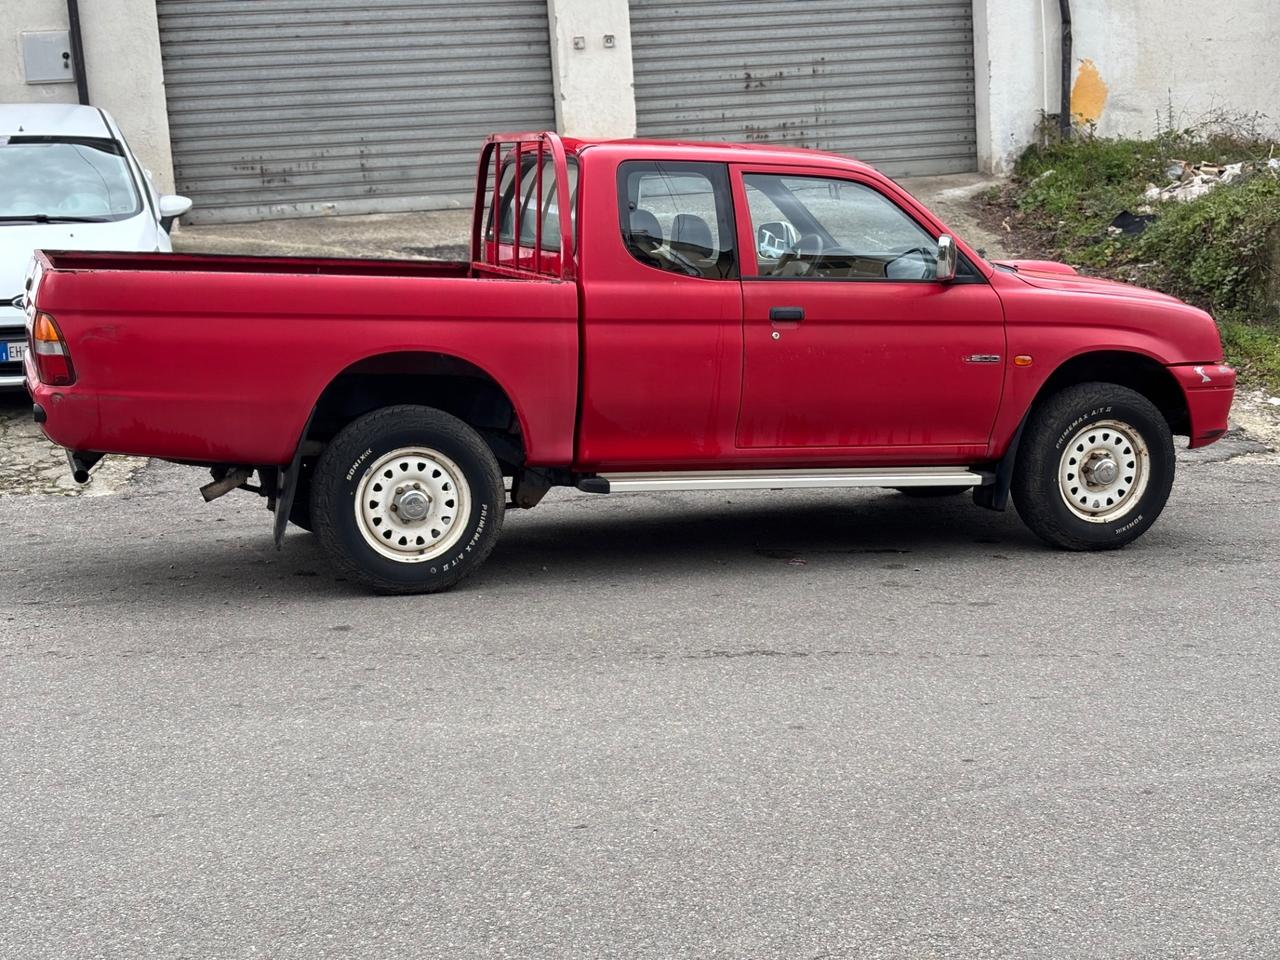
(282, 108)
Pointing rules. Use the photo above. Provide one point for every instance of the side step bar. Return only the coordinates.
(781, 479)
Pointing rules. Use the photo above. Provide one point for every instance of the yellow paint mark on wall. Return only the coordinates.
(1088, 93)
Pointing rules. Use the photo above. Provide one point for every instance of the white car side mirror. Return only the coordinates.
(173, 206)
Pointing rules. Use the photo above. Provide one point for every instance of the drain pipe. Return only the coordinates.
(1064, 105)
(77, 49)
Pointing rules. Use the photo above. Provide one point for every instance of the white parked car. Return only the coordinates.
(68, 181)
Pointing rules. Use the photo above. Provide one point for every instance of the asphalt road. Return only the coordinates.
(822, 724)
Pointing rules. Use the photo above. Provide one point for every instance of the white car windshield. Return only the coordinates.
(45, 178)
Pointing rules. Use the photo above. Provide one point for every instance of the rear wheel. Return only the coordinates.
(1095, 467)
(407, 499)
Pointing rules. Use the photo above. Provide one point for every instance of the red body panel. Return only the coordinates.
(223, 366)
(609, 362)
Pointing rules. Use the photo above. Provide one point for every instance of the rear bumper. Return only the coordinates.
(1209, 389)
(67, 417)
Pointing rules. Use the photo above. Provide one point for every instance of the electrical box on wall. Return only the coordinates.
(46, 57)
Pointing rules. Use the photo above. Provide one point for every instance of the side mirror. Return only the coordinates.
(171, 208)
(947, 257)
(775, 238)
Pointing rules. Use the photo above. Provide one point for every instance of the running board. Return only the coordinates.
(780, 479)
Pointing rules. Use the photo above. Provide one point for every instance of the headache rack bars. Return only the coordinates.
(491, 253)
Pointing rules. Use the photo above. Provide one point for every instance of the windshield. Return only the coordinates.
(59, 179)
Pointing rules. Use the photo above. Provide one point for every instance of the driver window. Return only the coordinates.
(822, 228)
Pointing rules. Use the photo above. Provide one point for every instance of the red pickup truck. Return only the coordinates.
(634, 316)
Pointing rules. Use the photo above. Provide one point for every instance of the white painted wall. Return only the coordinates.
(122, 63)
(122, 57)
(17, 17)
(1157, 54)
(1008, 59)
(1150, 54)
(595, 96)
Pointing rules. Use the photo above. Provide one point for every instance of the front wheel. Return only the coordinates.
(1095, 467)
(407, 499)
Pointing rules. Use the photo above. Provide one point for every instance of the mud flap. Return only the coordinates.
(287, 484)
(995, 495)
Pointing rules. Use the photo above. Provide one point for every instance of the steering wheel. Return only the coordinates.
(809, 246)
(926, 259)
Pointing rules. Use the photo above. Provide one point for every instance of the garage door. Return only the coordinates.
(887, 81)
(288, 108)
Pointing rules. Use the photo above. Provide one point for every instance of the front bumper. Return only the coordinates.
(1209, 389)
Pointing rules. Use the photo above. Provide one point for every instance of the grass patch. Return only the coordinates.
(1254, 350)
(1220, 251)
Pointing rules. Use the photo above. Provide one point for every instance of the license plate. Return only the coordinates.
(12, 352)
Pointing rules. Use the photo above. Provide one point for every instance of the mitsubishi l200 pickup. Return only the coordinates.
(634, 316)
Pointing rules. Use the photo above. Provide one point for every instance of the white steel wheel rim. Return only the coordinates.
(1104, 471)
(413, 504)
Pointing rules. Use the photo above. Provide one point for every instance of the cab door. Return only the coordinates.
(662, 308)
(849, 342)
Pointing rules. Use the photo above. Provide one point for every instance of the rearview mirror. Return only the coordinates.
(947, 256)
(171, 208)
(775, 238)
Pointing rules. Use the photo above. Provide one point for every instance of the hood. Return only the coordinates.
(1038, 266)
(19, 240)
(1049, 275)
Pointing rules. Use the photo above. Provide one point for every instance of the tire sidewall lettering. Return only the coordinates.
(1119, 531)
(351, 473)
(1079, 421)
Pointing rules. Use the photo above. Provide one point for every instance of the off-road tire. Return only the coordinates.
(348, 460)
(1040, 495)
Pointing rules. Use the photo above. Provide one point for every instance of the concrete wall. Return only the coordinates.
(593, 82)
(1149, 57)
(1132, 62)
(1009, 42)
(122, 63)
(17, 17)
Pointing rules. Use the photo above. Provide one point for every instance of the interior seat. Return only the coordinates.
(644, 236)
(691, 235)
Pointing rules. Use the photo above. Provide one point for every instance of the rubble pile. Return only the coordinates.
(1191, 180)
(1187, 181)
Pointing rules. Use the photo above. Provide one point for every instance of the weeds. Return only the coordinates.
(1220, 251)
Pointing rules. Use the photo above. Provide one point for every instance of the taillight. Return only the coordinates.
(53, 363)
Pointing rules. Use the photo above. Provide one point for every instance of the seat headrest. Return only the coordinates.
(692, 234)
(646, 232)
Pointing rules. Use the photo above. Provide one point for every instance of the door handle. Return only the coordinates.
(793, 314)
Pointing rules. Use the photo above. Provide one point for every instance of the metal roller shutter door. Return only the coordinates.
(286, 108)
(888, 81)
